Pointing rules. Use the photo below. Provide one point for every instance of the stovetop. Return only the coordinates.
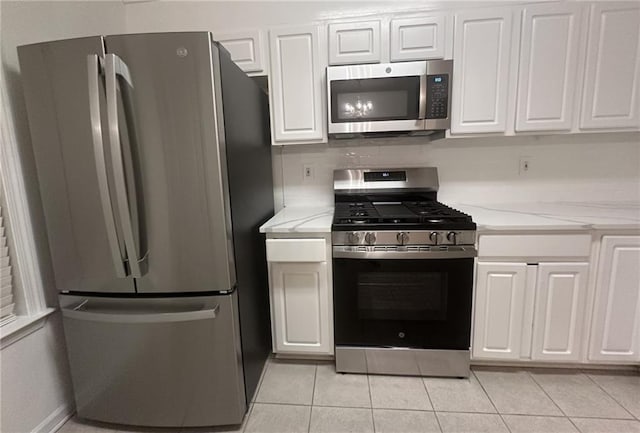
(399, 215)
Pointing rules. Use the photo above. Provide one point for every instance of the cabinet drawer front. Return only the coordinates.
(296, 250)
(534, 246)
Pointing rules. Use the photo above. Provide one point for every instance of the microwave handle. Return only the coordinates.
(422, 107)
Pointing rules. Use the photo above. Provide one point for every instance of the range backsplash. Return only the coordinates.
(585, 167)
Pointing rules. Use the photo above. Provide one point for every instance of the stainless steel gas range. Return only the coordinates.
(402, 275)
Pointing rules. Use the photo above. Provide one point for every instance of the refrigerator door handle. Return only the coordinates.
(117, 255)
(115, 66)
(141, 317)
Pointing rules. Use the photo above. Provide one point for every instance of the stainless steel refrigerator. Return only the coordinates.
(154, 165)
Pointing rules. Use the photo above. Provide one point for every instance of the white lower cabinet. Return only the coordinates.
(529, 311)
(561, 296)
(615, 330)
(300, 296)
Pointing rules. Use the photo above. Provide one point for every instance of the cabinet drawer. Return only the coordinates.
(534, 245)
(296, 250)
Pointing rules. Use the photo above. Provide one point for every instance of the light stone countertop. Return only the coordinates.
(489, 217)
(294, 219)
(554, 215)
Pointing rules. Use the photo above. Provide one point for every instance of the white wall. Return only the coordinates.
(563, 167)
(35, 382)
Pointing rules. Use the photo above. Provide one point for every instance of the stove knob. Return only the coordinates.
(370, 238)
(433, 236)
(403, 238)
(452, 237)
(353, 238)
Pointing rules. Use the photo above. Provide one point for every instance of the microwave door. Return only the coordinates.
(375, 98)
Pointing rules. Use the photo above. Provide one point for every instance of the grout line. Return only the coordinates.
(373, 421)
(424, 383)
(491, 401)
(313, 392)
(552, 400)
(612, 397)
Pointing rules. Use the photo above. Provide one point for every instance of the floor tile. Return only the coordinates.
(398, 392)
(625, 389)
(578, 396)
(458, 395)
(344, 390)
(452, 422)
(538, 424)
(340, 419)
(515, 392)
(593, 425)
(287, 382)
(75, 425)
(278, 418)
(405, 421)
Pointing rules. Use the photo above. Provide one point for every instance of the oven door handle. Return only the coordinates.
(341, 252)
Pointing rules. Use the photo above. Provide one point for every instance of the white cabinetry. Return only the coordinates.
(481, 70)
(611, 95)
(615, 331)
(296, 84)
(499, 310)
(417, 38)
(561, 295)
(530, 297)
(300, 296)
(355, 42)
(246, 49)
(548, 66)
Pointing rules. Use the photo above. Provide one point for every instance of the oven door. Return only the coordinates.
(377, 98)
(414, 303)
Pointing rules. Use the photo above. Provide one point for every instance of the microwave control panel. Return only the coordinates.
(437, 96)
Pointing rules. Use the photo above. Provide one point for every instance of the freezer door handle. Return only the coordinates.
(114, 67)
(151, 316)
(117, 254)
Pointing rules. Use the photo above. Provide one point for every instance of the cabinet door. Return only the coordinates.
(296, 83)
(499, 310)
(481, 59)
(548, 67)
(559, 313)
(417, 38)
(245, 48)
(611, 87)
(355, 43)
(615, 328)
(301, 308)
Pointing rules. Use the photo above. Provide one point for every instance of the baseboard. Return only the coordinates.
(55, 420)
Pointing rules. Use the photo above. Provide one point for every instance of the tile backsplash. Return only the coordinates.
(577, 167)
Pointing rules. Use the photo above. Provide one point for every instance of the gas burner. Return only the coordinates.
(358, 220)
(357, 205)
(435, 220)
(359, 213)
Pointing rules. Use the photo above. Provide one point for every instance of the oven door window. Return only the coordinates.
(416, 296)
(375, 99)
(403, 303)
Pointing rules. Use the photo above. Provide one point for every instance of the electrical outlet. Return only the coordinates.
(524, 166)
(307, 172)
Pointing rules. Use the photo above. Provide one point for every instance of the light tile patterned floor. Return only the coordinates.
(309, 397)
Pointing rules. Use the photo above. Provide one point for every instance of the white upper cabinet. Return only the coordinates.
(548, 67)
(561, 295)
(417, 38)
(615, 330)
(500, 310)
(355, 42)
(611, 95)
(246, 49)
(481, 69)
(297, 84)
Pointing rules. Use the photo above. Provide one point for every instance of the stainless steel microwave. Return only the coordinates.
(407, 97)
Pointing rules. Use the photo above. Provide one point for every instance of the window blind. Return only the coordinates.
(6, 292)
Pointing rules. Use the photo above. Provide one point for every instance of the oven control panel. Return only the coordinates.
(405, 238)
